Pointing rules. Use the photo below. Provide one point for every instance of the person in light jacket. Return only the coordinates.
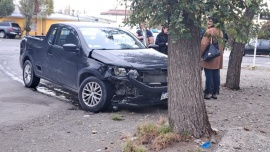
(212, 67)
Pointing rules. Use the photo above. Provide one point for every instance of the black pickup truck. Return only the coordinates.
(100, 62)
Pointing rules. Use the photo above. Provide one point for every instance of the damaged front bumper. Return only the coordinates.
(144, 87)
(129, 89)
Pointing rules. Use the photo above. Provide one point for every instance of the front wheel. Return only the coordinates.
(94, 94)
(29, 78)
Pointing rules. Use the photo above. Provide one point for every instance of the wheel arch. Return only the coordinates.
(24, 58)
(87, 73)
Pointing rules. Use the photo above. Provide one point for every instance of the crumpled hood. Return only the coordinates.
(137, 58)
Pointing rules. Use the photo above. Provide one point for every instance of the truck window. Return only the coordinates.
(52, 35)
(67, 36)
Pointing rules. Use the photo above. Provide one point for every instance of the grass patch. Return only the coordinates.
(131, 147)
(117, 117)
(155, 136)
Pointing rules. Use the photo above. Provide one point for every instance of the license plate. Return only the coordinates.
(164, 95)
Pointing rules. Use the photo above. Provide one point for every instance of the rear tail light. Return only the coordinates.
(11, 29)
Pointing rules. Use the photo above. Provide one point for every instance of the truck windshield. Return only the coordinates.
(110, 39)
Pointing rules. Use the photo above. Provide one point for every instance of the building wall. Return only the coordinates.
(46, 24)
(43, 25)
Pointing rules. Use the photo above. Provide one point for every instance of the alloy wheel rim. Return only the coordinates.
(27, 73)
(1, 35)
(91, 94)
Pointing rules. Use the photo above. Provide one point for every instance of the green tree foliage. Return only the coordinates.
(186, 106)
(6, 8)
(264, 32)
(28, 9)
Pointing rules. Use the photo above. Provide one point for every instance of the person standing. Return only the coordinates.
(162, 40)
(145, 35)
(212, 67)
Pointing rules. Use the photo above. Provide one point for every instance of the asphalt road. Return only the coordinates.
(260, 60)
(15, 104)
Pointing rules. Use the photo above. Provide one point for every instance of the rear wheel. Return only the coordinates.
(29, 78)
(94, 94)
(2, 34)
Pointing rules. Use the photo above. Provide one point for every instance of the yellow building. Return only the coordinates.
(44, 24)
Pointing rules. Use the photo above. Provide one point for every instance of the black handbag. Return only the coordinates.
(211, 52)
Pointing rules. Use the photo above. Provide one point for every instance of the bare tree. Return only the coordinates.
(34, 8)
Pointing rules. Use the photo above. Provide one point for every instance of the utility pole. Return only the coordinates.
(256, 42)
(36, 19)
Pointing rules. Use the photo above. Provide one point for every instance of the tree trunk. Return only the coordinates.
(234, 68)
(186, 107)
(236, 55)
(28, 22)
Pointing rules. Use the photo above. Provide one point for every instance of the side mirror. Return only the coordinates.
(70, 47)
(154, 46)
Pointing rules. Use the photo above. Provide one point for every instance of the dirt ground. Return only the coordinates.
(242, 119)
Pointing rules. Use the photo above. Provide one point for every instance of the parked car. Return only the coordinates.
(9, 29)
(263, 47)
(99, 62)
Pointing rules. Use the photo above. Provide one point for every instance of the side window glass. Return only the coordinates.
(67, 36)
(6, 24)
(52, 35)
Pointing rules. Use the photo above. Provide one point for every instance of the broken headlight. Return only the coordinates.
(120, 71)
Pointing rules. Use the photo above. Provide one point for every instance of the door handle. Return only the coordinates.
(50, 50)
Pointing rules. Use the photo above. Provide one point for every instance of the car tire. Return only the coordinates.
(94, 94)
(29, 78)
(2, 34)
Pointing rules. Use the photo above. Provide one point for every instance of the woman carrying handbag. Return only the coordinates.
(213, 66)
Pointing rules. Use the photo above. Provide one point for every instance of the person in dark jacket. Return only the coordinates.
(162, 40)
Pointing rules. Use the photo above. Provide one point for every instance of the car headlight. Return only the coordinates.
(120, 71)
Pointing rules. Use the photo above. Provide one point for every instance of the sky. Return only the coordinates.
(92, 7)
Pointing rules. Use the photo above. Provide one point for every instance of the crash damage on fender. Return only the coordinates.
(139, 77)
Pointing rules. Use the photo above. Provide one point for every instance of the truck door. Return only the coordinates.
(47, 69)
(64, 62)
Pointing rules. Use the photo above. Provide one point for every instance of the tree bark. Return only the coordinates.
(236, 55)
(186, 107)
(234, 68)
